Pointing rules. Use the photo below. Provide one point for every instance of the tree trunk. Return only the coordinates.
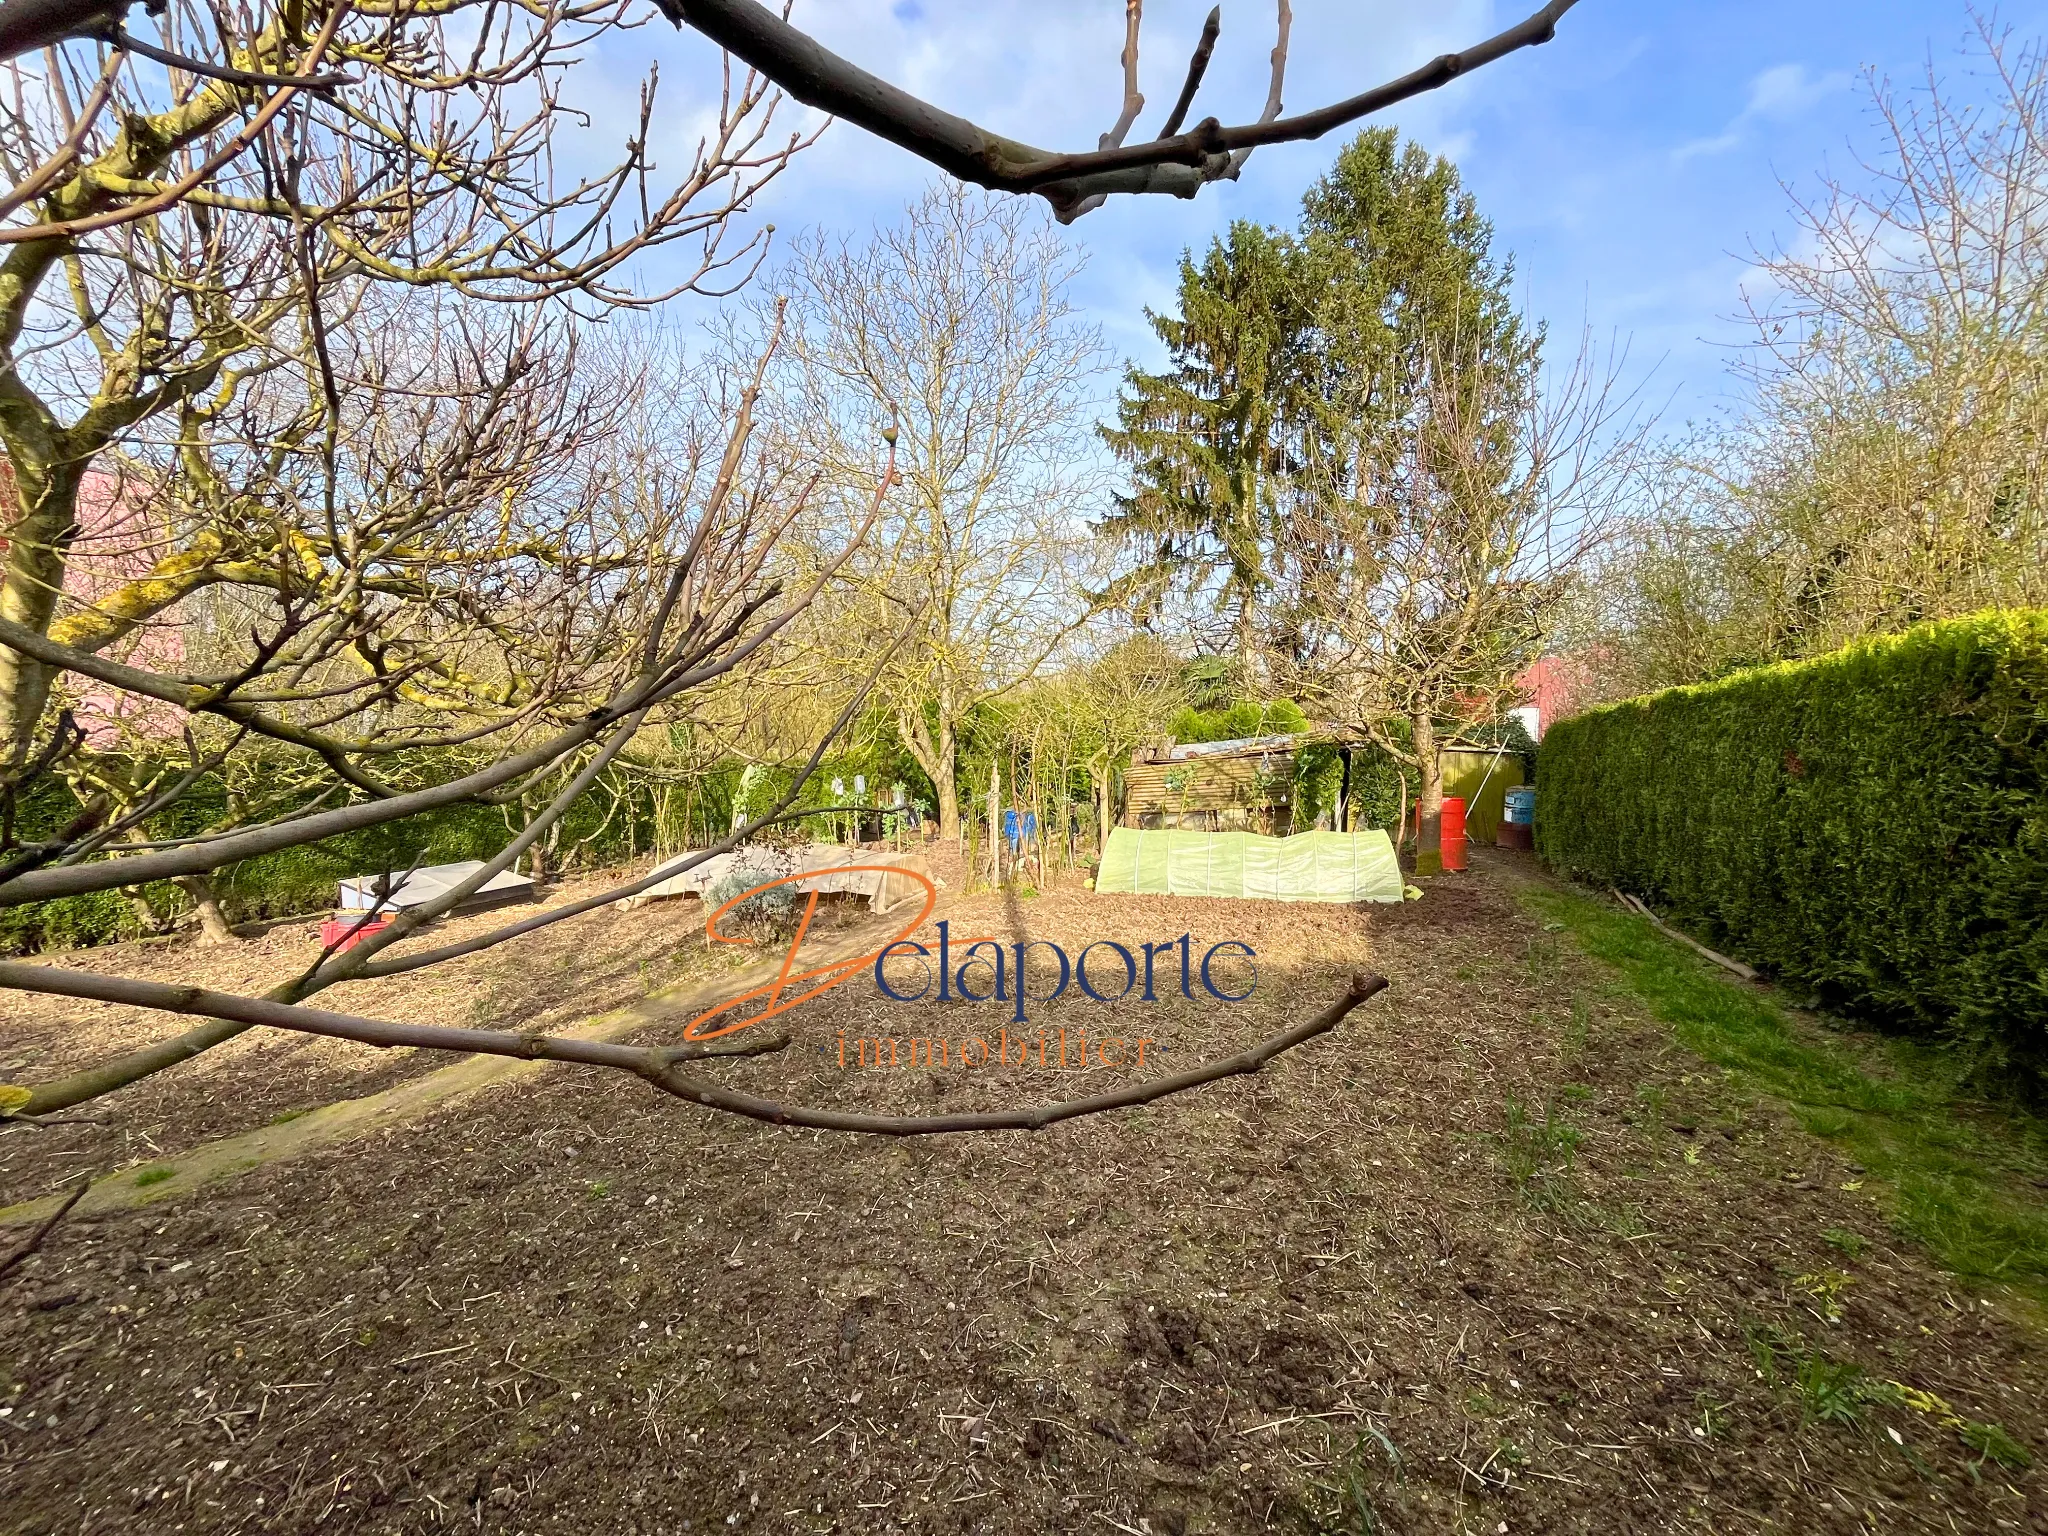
(995, 825)
(946, 786)
(41, 525)
(1429, 842)
(213, 923)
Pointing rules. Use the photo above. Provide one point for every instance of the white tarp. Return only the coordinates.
(423, 885)
(823, 864)
(1310, 866)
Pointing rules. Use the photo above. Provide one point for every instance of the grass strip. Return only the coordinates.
(1964, 1177)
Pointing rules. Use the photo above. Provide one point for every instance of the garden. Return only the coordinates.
(658, 876)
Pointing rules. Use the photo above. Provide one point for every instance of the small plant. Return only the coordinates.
(1537, 1155)
(1992, 1443)
(1845, 1241)
(1768, 1344)
(1652, 1098)
(1824, 1288)
(1581, 1024)
(1543, 958)
(1713, 1415)
(769, 914)
(150, 1176)
(1831, 1391)
(1350, 1510)
(1625, 1220)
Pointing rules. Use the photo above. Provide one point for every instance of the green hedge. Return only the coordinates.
(1871, 826)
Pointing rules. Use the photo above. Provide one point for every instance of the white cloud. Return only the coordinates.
(1776, 95)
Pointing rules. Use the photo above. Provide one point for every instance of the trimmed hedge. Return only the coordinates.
(1870, 826)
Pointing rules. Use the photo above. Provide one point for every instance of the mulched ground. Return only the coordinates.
(549, 979)
(1493, 1257)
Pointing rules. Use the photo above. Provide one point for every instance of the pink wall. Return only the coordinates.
(1559, 687)
(121, 537)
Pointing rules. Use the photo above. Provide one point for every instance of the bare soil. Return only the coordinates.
(544, 981)
(1496, 1255)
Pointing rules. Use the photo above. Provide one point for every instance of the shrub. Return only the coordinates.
(1870, 826)
(768, 914)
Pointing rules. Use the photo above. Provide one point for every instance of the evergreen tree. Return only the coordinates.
(1206, 439)
(1294, 366)
(1342, 436)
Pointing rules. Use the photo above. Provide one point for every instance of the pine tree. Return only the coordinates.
(1206, 439)
(1293, 369)
(1279, 461)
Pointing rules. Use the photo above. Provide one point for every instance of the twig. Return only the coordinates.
(48, 1225)
(1746, 972)
(1198, 66)
(711, 1052)
(120, 37)
(16, 1117)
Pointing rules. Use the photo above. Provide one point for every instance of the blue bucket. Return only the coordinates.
(1520, 806)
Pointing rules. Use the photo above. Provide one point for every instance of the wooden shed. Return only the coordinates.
(1214, 786)
(1248, 785)
(1481, 776)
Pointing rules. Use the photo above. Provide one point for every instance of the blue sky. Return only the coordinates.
(1632, 166)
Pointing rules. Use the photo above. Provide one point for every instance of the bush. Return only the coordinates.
(769, 914)
(1871, 826)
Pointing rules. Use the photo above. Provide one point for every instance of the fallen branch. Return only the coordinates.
(47, 1226)
(1747, 973)
(657, 1064)
(16, 1117)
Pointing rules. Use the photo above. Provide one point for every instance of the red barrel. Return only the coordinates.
(1454, 832)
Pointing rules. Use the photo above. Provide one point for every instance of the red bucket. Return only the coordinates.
(335, 934)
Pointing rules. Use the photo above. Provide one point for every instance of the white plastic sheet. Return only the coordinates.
(1310, 866)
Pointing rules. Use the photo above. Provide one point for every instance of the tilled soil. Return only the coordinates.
(556, 976)
(1493, 1256)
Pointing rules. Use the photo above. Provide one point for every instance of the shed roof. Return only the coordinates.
(1244, 744)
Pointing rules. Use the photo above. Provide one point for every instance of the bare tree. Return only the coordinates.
(1425, 593)
(1891, 463)
(953, 329)
(1130, 695)
(1178, 161)
(179, 256)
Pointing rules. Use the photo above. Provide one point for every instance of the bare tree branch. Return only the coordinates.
(45, 1227)
(1178, 164)
(1198, 66)
(656, 1064)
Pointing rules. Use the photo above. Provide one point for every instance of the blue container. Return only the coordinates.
(1521, 806)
